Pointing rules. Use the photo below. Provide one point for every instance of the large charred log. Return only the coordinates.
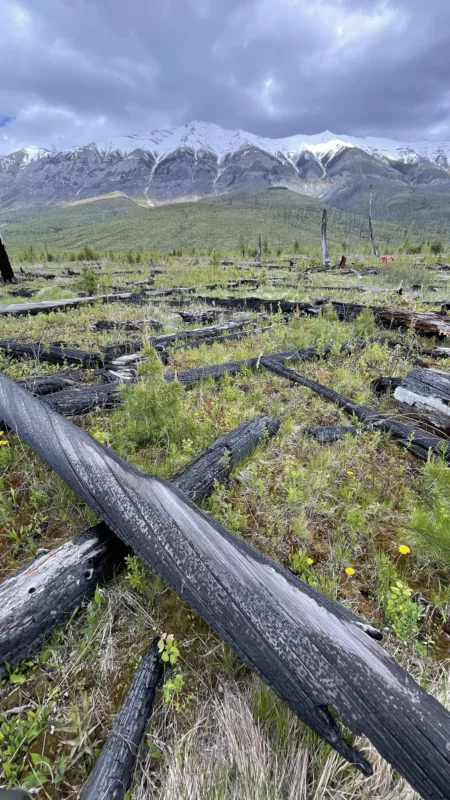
(112, 773)
(424, 394)
(46, 592)
(316, 654)
(50, 354)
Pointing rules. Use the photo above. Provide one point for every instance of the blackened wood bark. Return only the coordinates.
(6, 270)
(413, 438)
(372, 239)
(325, 258)
(198, 316)
(314, 653)
(46, 592)
(127, 325)
(343, 263)
(112, 773)
(331, 433)
(385, 384)
(56, 382)
(50, 354)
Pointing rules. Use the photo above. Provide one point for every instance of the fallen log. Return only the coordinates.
(316, 654)
(46, 592)
(198, 316)
(331, 433)
(46, 306)
(112, 773)
(424, 394)
(50, 354)
(382, 384)
(57, 381)
(414, 439)
(127, 325)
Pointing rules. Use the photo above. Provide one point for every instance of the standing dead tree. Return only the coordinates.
(317, 655)
(258, 252)
(6, 270)
(375, 248)
(325, 257)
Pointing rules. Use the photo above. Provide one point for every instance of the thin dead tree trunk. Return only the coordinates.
(258, 253)
(6, 269)
(325, 257)
(375, 248)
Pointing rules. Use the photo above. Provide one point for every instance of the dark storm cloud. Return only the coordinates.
(77, 70)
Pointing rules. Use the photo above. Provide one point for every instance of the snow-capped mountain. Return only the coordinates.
(201, 159)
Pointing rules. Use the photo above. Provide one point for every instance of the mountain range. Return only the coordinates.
(201, 159)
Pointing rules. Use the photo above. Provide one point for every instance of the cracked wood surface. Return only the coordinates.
(45, 592)
(312, 651)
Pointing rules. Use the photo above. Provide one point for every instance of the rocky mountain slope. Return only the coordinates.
(202, 159)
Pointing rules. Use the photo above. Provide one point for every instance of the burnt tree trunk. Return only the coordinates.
(372, 239)
(258, 252)
(112, 773)
(316, 654)
(6, 270)
(414, 439)
(424, 394)
(46, 592)
(325, 258)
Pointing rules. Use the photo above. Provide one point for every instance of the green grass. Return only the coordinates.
(280, 216)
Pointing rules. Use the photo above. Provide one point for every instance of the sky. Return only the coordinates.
(77, 71)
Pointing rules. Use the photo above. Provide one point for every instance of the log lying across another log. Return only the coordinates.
(112, 773)
(414, 439)
(316, 654)
(46, 592)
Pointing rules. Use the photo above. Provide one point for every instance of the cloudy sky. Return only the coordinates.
(75, 71)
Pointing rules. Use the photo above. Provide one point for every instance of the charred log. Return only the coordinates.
(46, 592)
(6, 270)
(331, 433)
(314, 653)
(112, 773)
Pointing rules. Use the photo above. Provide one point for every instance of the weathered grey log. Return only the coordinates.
(424, 394)
(46, 306)
(112, 773)
(413, 438)
(50, 354)
(331, 433)
(6, 270)
(314, 653)
(46, 592)
(325, 257)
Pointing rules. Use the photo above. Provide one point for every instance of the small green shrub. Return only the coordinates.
(88, 281)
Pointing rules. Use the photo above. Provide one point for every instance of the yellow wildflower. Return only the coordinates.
(349, 472)
(404, 549)
(310, 561)
(350, 571)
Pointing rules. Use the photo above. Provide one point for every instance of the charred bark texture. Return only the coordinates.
(331, 433)
(46, 592)
(6, 270)
(112, 773)
(413, 438)
(50, 354)
(313, 652)
(385, 384)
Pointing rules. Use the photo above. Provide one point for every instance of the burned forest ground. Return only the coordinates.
(360, 518)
